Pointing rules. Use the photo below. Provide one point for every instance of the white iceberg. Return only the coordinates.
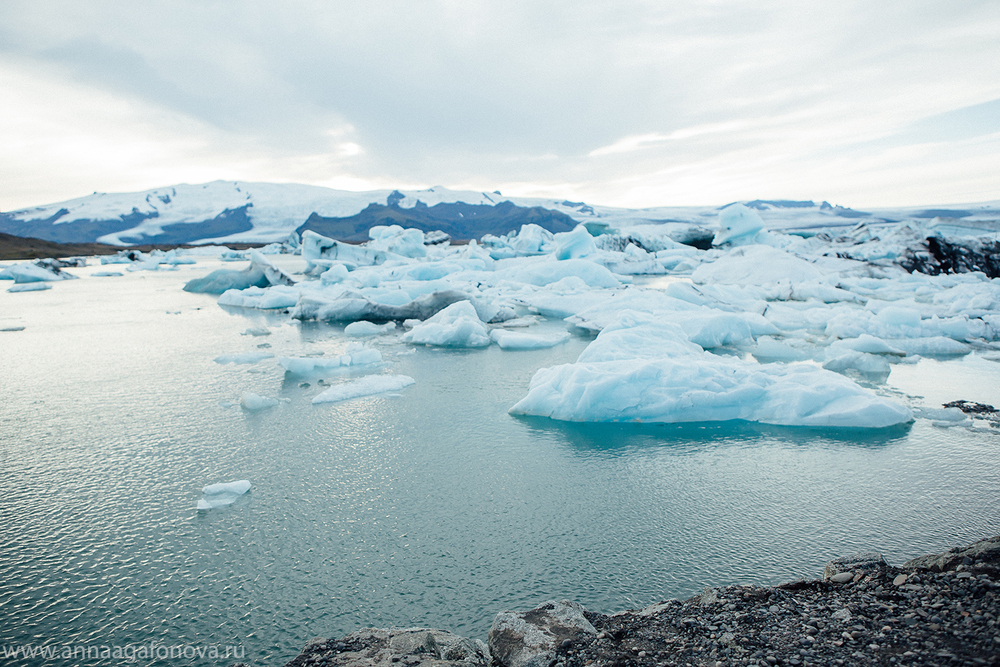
(243, 358)
(517, 340)
(260, 273)
(222, 494)
(646, 370)
(252, 402)
(366, 386)
(365, 328)
(29, 287)
(458, 325)
(738, 225)
(356, 354)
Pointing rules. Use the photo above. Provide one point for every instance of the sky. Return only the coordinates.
(630, 103)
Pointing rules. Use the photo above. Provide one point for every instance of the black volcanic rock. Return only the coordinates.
(459, 220)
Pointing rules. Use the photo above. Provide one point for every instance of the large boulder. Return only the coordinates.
(845, 568)
(531, 638)
(982, 552)
(376, 647)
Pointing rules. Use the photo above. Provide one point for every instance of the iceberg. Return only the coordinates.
(29, 287)
(365, 328)
(458, 325)
(357, 354)
(366, 386)
(260, 273)
(517, 340)
(38, 271)
(738, 225)
(244, 358)
(252, 402)
(222, 494)
(643, 369)
(320, 252)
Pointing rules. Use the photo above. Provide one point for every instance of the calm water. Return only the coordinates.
(430, 507)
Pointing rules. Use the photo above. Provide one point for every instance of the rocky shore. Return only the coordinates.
(934, 610)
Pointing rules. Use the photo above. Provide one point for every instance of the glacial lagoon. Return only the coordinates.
(428, 506)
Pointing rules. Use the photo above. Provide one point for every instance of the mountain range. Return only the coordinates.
(242, 212)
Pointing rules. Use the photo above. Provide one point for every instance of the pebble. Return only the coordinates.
(899, 580)
(842, 577)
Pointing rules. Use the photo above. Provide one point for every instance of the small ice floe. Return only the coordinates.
(943, 417)
(257, 331)
(222, 494)
(458, 325)
(244, 358)
(516, 340)
(357, 354)
(252, 402)
(366, 386)
(365, 328)
(29, 287)
(106, 274)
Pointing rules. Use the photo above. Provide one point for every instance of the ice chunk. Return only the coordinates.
(574, 244)
(547, 272)
(252, 402)
(458, 325)
(353, 306)
(931, 346)
(867, 343)
(29, 287)
(366, 386)
(263, 298)
(257, 331)
(641, 368)
(738, 225)
(365, 328)
(316, 247)
(357, 354)
(757, 265)
(862, 362)
(531, 240)
(245, 358)
(33, 272)
(220, 495)
(260, 273)
(396, 240)
(106, 274)
(516, 340)
(337, 273)
(772, 349)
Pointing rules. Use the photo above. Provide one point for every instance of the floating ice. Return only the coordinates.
(357, 354)
(260, 273)
(254, 403)
(396, 240)
(738, 225)
(318, 249)
(32, 272)
(757, 265)
(29, 287)
(366, 386)
(574, 244)
(263, 298)
(244, 358)
(516, 340)
(106, 274)
(257, 331)
(220, 495)
(458, 325)
(365, 328)
(546, 272)
(644, 369)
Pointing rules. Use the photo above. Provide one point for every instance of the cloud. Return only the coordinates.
(609, 94)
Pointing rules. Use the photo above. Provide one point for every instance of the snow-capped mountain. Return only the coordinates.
(241, 212)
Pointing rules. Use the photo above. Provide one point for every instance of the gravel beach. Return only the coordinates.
(940, 609)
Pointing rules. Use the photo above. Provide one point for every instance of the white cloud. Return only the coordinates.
(736, 95)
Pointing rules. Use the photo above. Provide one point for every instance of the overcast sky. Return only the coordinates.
(621, 102)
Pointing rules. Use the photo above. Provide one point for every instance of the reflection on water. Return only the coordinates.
(431, 506)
